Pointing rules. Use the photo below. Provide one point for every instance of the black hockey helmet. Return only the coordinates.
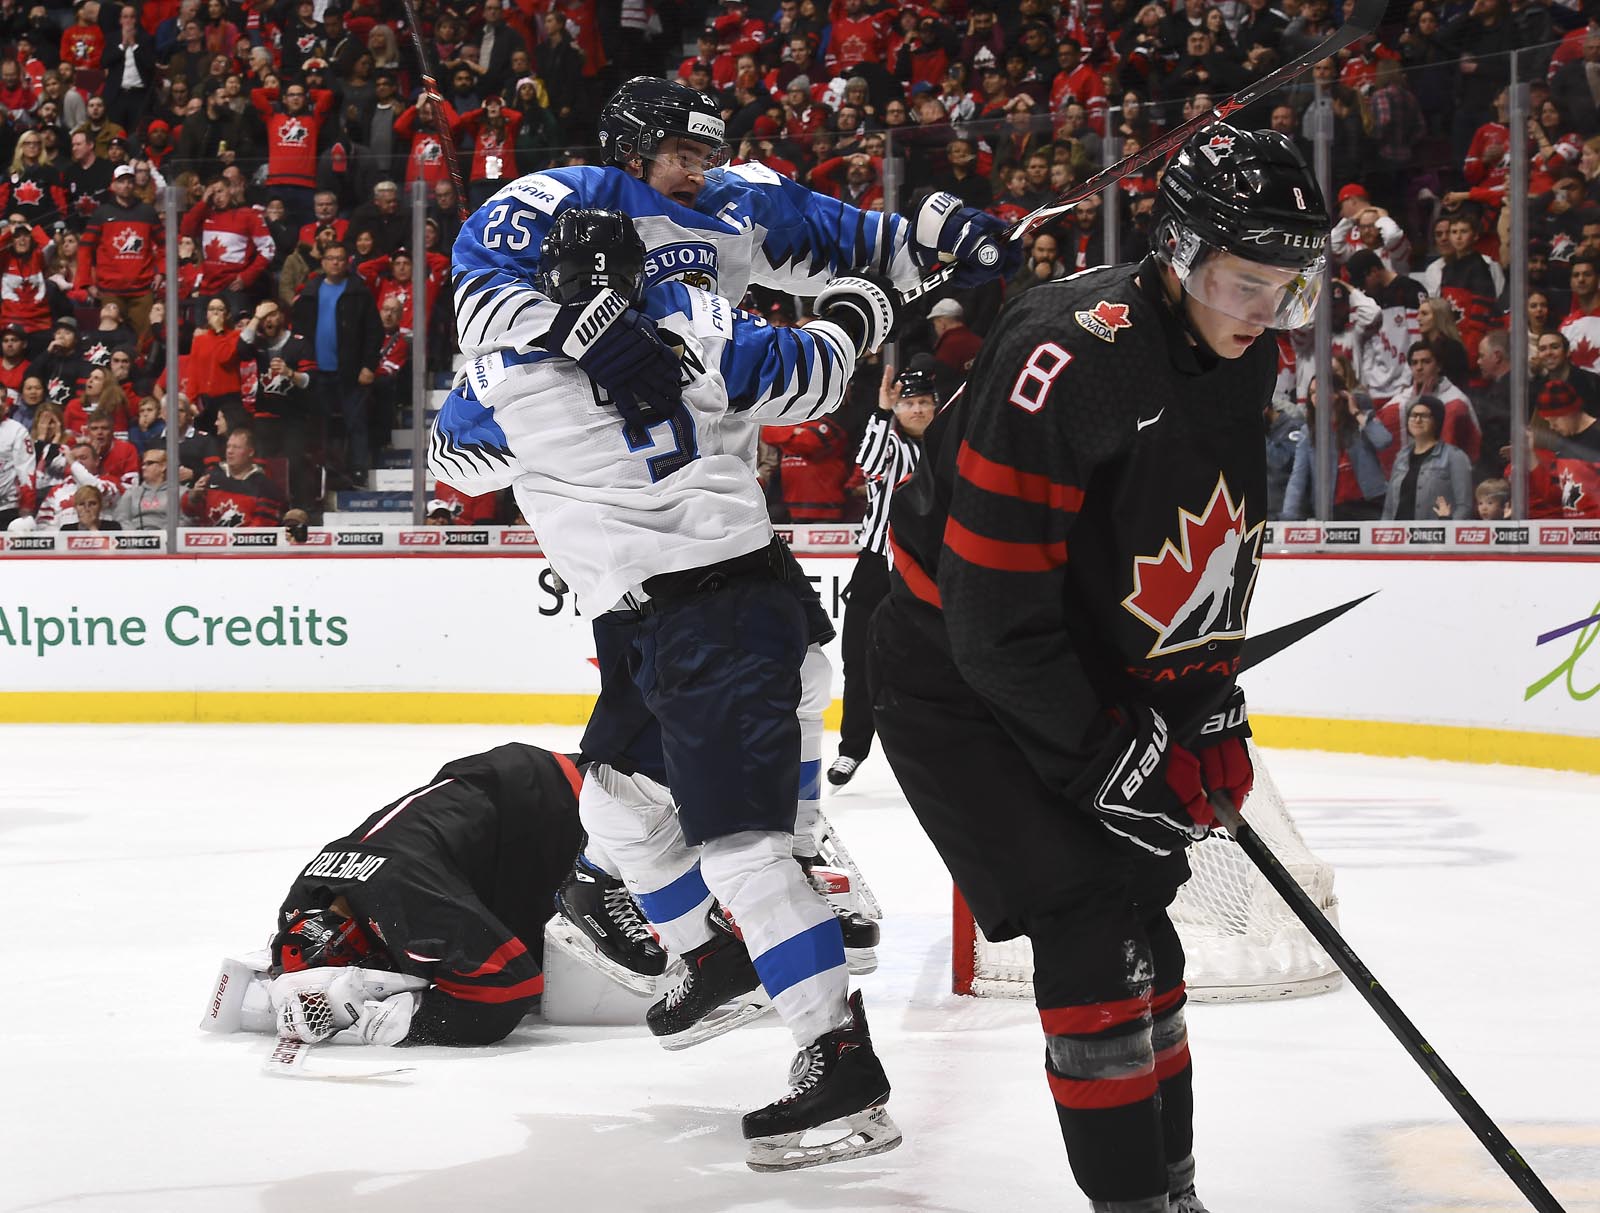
(647, 110)
(588, 251)
(313, 939)
(1249, 194)
(918, 381)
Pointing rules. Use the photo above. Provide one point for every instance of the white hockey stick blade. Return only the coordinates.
(580, 947)
(288, 1060)
(870, 1132)
(835, 854)
(720, 1022)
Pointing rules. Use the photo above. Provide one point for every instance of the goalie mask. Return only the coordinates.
(1241, 221)
(316, 939)
(647, 111)
(588, 251)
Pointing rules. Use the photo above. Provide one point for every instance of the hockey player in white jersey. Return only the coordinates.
(720, 229)
(661, 526)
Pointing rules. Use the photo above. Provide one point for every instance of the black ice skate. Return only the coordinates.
(598, 922)
(843, 768)
(836, 1078)
(860, 932)
(1185, 1202)
(718, 972)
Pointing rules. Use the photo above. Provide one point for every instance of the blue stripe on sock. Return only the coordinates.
(815, 950)
(811, 779)
(677, 899)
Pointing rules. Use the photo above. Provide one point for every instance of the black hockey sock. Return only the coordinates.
(1115, 1153)
(1174, 1073)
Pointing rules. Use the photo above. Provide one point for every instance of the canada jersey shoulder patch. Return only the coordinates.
(1104, 319)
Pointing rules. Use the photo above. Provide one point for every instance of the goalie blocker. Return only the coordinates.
(424, 924)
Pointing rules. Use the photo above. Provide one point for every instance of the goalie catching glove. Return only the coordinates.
(944, 230)
(315, 1004)
(864, 306)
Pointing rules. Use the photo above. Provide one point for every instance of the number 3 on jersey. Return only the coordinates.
(685, 448)
(1038, 374)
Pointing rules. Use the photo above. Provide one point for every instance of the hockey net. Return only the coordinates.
(1242, 942)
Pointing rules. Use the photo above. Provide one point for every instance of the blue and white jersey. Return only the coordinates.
(748, 225)
(613, 507)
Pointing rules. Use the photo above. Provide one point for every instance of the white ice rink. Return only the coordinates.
(133, 858)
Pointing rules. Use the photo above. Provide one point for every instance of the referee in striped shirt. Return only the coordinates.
(888, 454)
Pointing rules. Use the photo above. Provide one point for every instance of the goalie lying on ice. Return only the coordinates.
(424, 924)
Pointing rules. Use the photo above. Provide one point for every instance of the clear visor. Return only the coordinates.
(696, 157)
(1271, 296)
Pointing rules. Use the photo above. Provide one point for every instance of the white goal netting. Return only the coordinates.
(1242, 941)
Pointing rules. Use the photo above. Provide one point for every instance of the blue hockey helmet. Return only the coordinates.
(589, 250)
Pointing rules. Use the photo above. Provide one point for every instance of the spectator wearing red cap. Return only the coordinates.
(1564, 481)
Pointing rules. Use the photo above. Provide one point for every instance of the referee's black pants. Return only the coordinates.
(868, 585)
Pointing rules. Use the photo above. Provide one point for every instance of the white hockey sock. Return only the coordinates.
(792, 935)
(632, 823)
(816, 690)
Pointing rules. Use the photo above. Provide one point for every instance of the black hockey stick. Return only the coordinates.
(1365, 16)
(1269, 644)
(1324, 932)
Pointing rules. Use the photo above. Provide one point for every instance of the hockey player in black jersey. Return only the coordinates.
(451, 884)
(1054, 668)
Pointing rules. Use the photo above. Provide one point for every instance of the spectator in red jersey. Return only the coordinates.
(325, 213)
(853, 179)
(34, 189)
(1458, 423)
(78, 466)
(84, 42)
(421, 125)
(493, 128)
(119, 459)
(1082, 83)
(281, 405)
(1581, 325)
(24, 295)
(235, 247)
(101, 395)
(13, 370)
(213, 367)
(294, 129)
(237, 492)
(816, 465)
(854, 36)
(121, 252)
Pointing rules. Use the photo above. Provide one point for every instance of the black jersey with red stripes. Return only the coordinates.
(1085, 527)
(455, 881)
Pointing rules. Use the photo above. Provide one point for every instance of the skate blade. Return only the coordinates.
(870, 1132)
(724, 1019)
(580, 947)
(861, 961)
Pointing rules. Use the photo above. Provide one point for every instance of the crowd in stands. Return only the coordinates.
(295, 130)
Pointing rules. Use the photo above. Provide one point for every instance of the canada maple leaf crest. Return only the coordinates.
(1104, 319)
(306, 43)
(98, 354)
(228, 513)
(429, 151)
(128, 241)
(58, 389)
(28, 193)
(293, 133)
(215, 249)
(1196, 590)
(1584, 353)
(1571, 490)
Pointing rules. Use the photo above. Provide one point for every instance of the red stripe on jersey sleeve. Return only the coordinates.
(498, 959)
(1093, 1017)
(912, 573)
(1008, 481)
(1003, 555)
(523, 989)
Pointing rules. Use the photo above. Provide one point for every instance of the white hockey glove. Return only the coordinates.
(314, 1004)
(386, 1021)
(864, 306)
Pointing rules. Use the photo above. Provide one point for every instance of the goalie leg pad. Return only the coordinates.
(793, 937)
(632, 819)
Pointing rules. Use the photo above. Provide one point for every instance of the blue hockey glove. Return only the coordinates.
(973, 239)
(617, 346)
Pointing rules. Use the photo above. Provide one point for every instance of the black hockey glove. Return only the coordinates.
(864, 305)
(1149, 792)
(618, 347)
(1225, 764)
(941, 228)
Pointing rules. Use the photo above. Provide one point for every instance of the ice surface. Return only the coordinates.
(134, 858)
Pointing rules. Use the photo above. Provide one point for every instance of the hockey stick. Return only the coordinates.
(1269, 644)
(288, 1058)
(430, 89)
(1365, 16)
(1324, 932)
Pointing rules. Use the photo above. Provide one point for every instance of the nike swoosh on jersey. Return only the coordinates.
(1148, 421)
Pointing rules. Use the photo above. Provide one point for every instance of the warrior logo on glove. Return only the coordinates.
(1197, 590)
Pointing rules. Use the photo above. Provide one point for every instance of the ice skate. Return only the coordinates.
(598, 922)
(860, 932)
(1185, 1202)
(719, 991)
(842, 770)
(837, 1078)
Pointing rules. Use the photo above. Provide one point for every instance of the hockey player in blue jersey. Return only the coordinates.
(661, 527)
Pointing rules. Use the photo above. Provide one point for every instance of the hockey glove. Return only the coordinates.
(863, 305)
(1150, 792)
(617, 346)
(386, 1021)
(1225, 764)
(943, 229)
(316, 1003)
